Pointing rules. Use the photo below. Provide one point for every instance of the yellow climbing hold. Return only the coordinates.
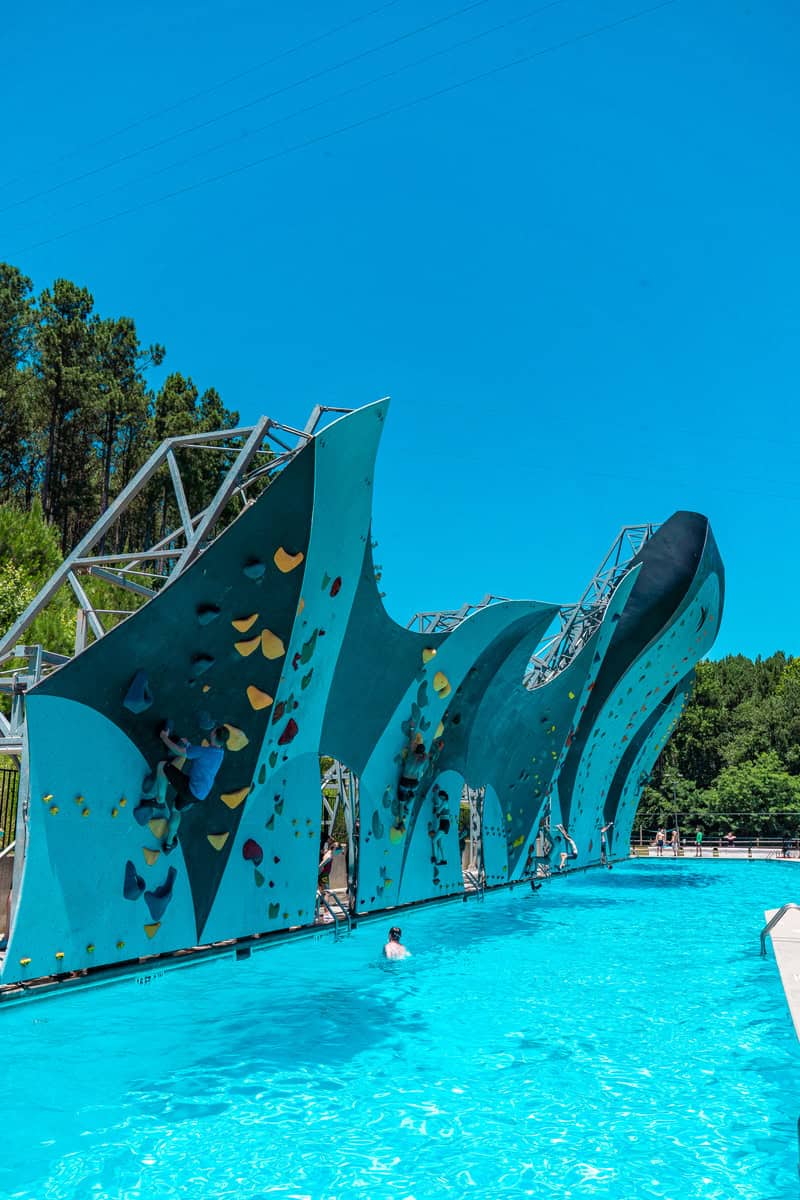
(509, 817)
(286, 562)
(54, 809)
(206, 687)
(90, 948)
(439, 730)
(245, 623)
(115, 812)
(237, 739)
(301, 606)
(257, 698)
(59, 954)
(152, 930)
(248, 646)
(24, 962)
(158, 828)
(271, 644)
(150, 856)
(86, 812)
(46, 799)
(122, 801)
(515, 845)
(218, 840)
(234, 799)
(395, 835)
(428, 653)
(441, 685)
(571, 695)
(120, 945)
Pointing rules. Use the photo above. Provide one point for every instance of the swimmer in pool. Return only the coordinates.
(393, 948)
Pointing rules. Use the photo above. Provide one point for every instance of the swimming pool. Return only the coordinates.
(616, 1035)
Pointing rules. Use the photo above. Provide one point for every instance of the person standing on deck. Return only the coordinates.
(698, 843)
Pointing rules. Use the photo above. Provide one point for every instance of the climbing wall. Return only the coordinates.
(278, 632)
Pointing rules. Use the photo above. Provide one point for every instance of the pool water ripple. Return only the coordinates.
(611, 1036)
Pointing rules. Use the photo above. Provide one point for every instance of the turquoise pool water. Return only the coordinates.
(616, 1035)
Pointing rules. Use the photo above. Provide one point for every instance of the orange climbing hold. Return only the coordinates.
(237, 738)
(150, 856)
(257, 698)
(441, 685)
(271, 644)
(234, 799)
(245, 623)
(286, 562)
(158, 828)
(152, 930)
(247, 647)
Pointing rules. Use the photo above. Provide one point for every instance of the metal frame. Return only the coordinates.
(446, 620)
(577, 622)
(167, 558)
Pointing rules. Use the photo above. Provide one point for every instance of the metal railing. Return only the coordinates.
(331, 902)
(9, 790)
(475, 883)
(773, 921)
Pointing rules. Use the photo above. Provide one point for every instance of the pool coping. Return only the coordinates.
(786, 947)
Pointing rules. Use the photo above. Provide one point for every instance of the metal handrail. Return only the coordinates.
(772, 923)
(8, 848)
(331, 896)
(477, 886)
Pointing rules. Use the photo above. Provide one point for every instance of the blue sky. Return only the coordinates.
(577, 277)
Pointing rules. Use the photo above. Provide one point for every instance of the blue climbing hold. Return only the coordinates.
(134, 884)
(138, 697)
(159, 898)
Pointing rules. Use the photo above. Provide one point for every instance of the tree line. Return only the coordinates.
(733, 761)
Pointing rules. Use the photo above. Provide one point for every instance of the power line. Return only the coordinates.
(231, 112)
(299, 112)
(215, 87)
(353, 125)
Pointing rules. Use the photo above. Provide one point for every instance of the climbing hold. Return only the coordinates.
(325, 581)
(289, 733)
(206, 613)
(252, 852)
(274, 909)
(262, 774)
(306, 680)
(59, 954)
(279, 804)
(90, 948)
(158, 899)
(285, 561)
(336, 586)
(54, 809)
(395, 835)
(273, 757)
(377, 825)
(46, 799)
(218, 840)
(24, 962)
(278, 711)
(270, 824)
(146, 810)
(134, 885)
(245, 623)
(308, 648)
(151, 930)
(237, 740)
(439, 730)
(120, 945)
(158, 828)
(422, 694)
(205, 720)
(86, 812)
(259, 878)
(150, 856)
(271, 645)
(138, 697)
(248, 646)
(571, 695)
(234, 799)
(254, 568)
(301, 605)
(428, 653)
(79, 800)
(115, 812)
(200, 664)
(206, 687)
(441, 685)
(257, 698)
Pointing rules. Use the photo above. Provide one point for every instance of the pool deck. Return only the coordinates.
(786, 945)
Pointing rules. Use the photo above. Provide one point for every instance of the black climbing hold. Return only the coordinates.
(133, 886)
(159, 898)
(138, 697)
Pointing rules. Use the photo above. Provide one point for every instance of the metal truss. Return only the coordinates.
(577, 622)
(144, 572)
(446, 620)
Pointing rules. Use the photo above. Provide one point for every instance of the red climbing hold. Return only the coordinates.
(252, 852)
(280, 709)
(336, 586)
(289, 733)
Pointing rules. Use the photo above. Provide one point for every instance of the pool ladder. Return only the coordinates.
(475, 883)
(337, 912)
(772, 923)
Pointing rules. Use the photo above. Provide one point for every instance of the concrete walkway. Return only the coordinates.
(786, 944)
